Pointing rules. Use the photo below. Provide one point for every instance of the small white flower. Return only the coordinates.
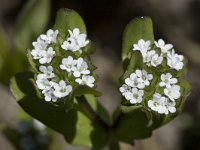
(151, 58)
(39, 48)
(76, 41)
(37, 53)
(161, 104)
(157, 103)
(154, 102)
(173, 92)
(80, 38)
(134, 81)
(147, 57)
(49, 95)
(50, 37)
(48, 71)
(135, 96)
(174, 60)
(47, 56)
(43, 83)
(170, 106)
(86, 80)
(156, 60)
(167, 80)
(40, 44)
(81, 68)
(124, 89)
(164, 47)
(142, 46)
(61, 89)
(71, 45)
(68, 63)
(144, 77)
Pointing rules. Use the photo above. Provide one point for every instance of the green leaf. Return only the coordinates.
(135, 62)
(187, 87)
(83, 89)
(31, 22)
(133, 124)
(77, 128)
(68, 20)
(139, 28)
(87, 132)
(69, 102)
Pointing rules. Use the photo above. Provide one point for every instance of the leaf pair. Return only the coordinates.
(88, 123)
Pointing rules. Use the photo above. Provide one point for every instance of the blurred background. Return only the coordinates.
(176, 21)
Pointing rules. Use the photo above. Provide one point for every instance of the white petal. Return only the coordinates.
(69, 88)
(62, 83)
(77, 74)
(43, 69)
(78, 80)
(134, 90)
(172, 109)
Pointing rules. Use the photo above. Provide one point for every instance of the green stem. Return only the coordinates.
(113, 143)
(89, 111)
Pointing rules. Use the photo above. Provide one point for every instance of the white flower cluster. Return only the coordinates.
(164, 101)
(79, 68)
(154, 58)
(43, 52)
(51, 90)
(167, 103)
(75, 42)
(132, 90)
(162, 104)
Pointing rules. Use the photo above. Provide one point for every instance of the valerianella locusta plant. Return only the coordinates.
(60, 91)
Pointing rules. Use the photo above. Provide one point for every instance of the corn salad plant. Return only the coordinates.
(60, 90)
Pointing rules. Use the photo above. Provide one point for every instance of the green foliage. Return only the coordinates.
(77, 128)
(67, 20)
(80, 117)
(133, 124)
(83, 89)
(135, 62)
(139, 28)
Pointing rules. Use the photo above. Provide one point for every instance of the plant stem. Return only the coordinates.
(90, 112)
(113, 143)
